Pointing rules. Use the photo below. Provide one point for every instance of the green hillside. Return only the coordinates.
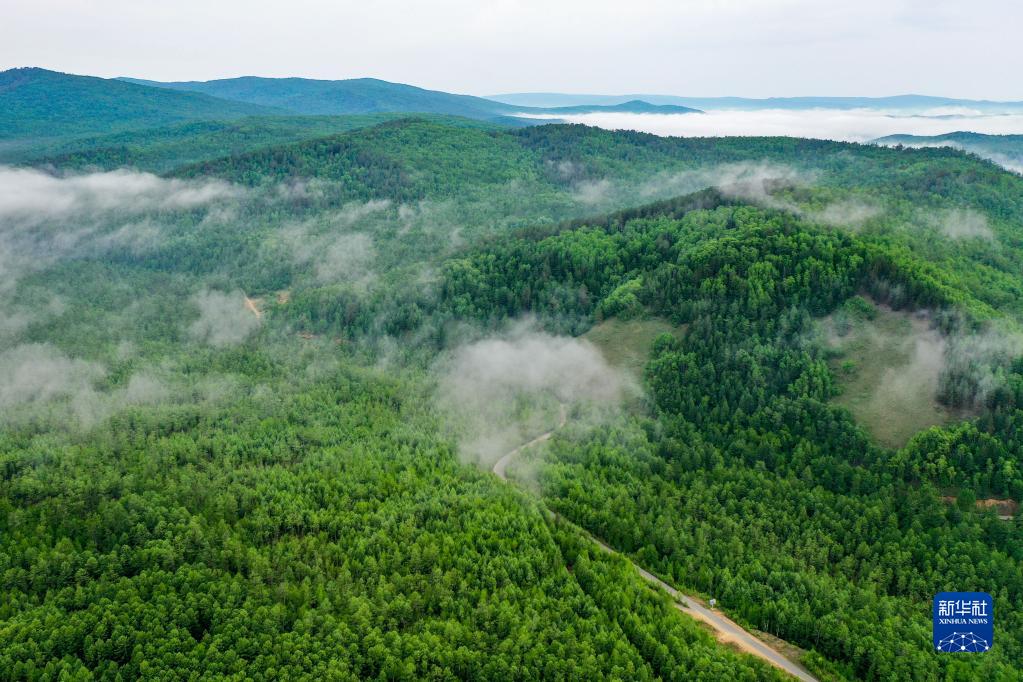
(40, 103)
(911, 198)
(744, 482)
(165, 148)
(248, 405)
(1006, 150)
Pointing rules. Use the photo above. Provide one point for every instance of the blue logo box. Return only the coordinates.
(964, 622)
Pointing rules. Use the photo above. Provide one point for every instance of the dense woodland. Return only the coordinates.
(326, 532)
(745, 484)
(291, 504)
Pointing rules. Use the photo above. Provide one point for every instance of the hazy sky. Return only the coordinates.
(685, 47)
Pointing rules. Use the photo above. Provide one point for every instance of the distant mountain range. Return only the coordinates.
(634, 106)
(354, 96)
(956, 138)
(909, 103)
(371, 96)
(37, 102)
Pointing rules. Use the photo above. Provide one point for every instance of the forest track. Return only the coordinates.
(726, 630)
(252, 306)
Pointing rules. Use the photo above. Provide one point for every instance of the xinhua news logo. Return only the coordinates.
(964, 622)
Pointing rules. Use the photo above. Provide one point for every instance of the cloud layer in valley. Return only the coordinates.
(849, 125)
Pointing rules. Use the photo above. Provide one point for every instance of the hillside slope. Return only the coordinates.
(164, 148)
(224, 452)
(1005, 150)
(37, 102)
(745, 482)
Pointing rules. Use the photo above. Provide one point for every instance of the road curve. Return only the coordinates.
(728, 631)
(501, 465)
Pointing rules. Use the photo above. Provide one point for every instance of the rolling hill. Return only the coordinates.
(351, 96)
(40, 110)
(40, 103)
(372, 96)
(1006, 150)
(231, 446)
(164, 148)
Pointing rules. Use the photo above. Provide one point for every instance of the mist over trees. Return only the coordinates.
(244, 400)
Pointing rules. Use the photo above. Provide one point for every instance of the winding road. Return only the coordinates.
(727, 630)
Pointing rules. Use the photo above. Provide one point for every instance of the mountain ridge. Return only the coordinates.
(633, 106)
(310, 96)
(40, 102)
(908, 101)
(349, 96)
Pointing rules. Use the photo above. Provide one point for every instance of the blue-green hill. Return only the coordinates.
(41, 103)
(352, 96)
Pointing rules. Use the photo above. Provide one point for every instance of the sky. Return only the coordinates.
(752, 48)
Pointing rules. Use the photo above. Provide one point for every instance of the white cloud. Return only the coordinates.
(32, 196)
(1012, 163)
(224, 318)
(505, 388)
(961, 224)
(333, 256)
(849, 212)
(1015, 164)
(42, 384)
(45, 218)
(34, 373)
(568, 367)
(591, 192)
(849, 125)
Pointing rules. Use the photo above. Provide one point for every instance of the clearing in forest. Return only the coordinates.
(626, 344)
(887, 364)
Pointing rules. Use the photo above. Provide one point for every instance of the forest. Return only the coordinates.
(744, 483)
(228, 448)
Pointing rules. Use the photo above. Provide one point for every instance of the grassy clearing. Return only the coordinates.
(626, 344)
(887, 364)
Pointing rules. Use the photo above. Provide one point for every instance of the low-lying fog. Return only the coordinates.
(847, 125)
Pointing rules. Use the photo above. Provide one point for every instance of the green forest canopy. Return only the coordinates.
(279, 497)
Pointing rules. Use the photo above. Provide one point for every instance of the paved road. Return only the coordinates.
(727, 630)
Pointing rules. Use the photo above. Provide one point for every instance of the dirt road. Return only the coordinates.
(727, 630)
(252, 307)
